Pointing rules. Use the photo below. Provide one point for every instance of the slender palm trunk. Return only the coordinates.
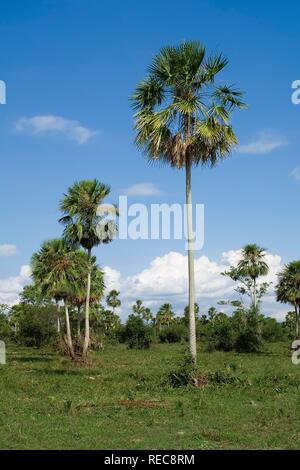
(58, 317)
(297, 321)
(87, 310)
(79, 321)
(254, 293)
(192, 321)
(69, 335)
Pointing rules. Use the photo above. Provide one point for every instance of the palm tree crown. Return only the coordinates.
(180, 114)
(82, 221)
(288, 287)
(253, 262)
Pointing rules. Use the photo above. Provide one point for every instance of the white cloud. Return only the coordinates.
(166, 280)
(8, 250)
(142, 189)
(296, 173)
(266, 142)
(45, 124)
(12, 286)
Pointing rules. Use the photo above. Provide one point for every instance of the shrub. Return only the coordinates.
(224, 335)
(185, 374)
(272, 330)
(248, 341)
(136, 333)
(36, 326)
(173, 334)
(5, 329)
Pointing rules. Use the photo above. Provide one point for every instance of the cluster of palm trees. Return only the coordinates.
(182, 118)
(163, 318)
(65, 270)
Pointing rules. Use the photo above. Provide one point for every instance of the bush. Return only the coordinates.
(224, 335)
(272, 330)
(185, 374)
(248, 341)
(36, 326)
(136, 333)
(5, 329)
(173, 334)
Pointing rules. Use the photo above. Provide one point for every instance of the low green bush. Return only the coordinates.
(136, 333)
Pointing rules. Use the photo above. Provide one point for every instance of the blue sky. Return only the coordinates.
(80, 61)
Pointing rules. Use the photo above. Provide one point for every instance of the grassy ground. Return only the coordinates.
(122, 402)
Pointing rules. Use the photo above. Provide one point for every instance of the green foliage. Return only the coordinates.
(35, 325)
(249, 339)
(165, 316)
(250, 267)
(112, 299)
(185, 373)
(181, 116)
(174, 333)
(272, 331)
(84, 224)
(241, 331)
(136, 333)
(5, 327)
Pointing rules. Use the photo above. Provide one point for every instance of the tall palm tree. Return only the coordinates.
(183, 119)
(57, 268)
(253, 265)
(288, 289)
(84, 225)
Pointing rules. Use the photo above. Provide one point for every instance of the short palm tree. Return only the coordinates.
(112, 299)
(288, 289)
(253, 265)
(84, 225)
(164, 316)
(183, 119)
(138, 308)
(57, 268)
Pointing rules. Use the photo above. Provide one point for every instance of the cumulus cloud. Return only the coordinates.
(45, 124)
(12, 286)
(266, 142)
(166, 280)
(142, 189)
(8, 250)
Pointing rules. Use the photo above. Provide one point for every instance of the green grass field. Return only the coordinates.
(123, 401)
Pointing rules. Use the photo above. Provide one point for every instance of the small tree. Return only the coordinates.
(250, 267)
(136, 333)
(112, 300)
(164, 316)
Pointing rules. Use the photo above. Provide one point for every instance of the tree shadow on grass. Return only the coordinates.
(32, 359)
(55, 372)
